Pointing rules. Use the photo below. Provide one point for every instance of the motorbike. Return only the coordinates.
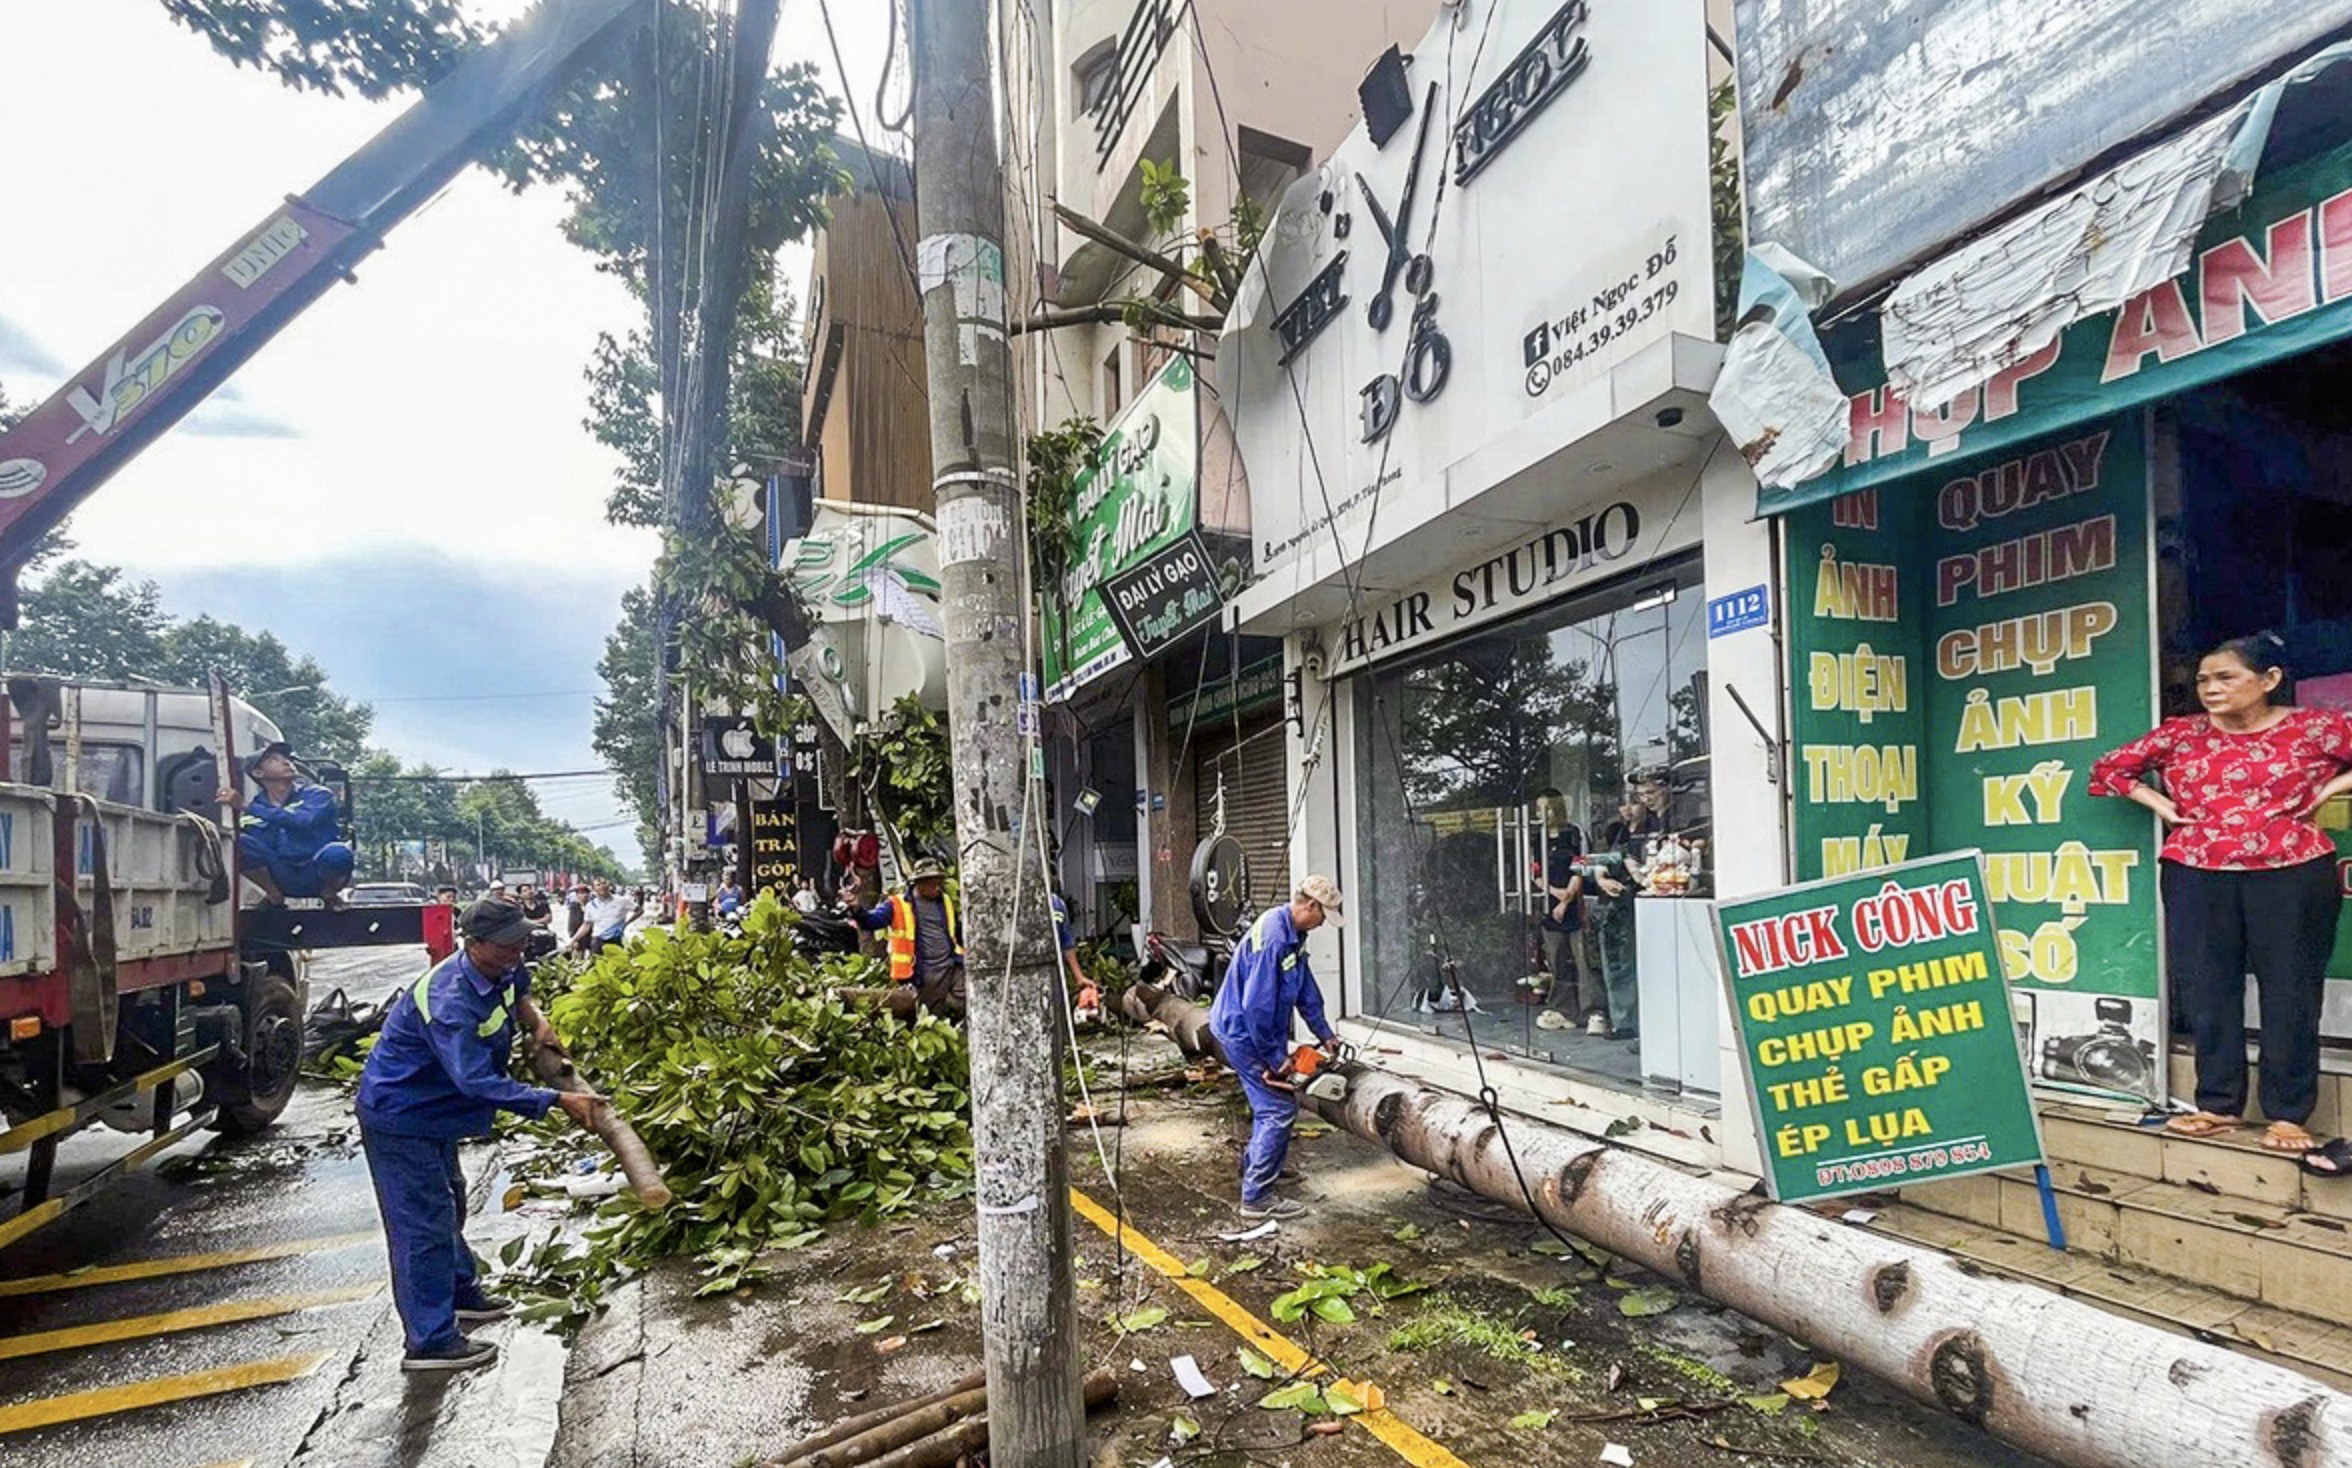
(1189, 970)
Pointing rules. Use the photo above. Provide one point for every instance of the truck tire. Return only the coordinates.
(250, 1100)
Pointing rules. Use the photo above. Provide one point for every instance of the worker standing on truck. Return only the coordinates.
(1267, 982)
(288, 833)
(438, 1075)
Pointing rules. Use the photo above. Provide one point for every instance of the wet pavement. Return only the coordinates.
(1509, 1323)
(228, 1306)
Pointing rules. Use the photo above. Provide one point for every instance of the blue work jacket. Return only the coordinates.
(1267, 979)
(296, 830)
(439, 1067)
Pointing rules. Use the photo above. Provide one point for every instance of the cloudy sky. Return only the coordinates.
(400, 483)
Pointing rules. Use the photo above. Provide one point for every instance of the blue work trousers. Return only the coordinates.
(327, 870)
(1273, 1113)
(422, 1195)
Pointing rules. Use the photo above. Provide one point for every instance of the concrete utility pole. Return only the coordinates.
(1028, 1311)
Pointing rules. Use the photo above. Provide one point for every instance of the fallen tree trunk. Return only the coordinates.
(2052, 1375)
(843, 1431)
(1187, 1023)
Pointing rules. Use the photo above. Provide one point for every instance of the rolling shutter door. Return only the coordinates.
(1255, 773)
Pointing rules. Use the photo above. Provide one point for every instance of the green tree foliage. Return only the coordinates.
(291, 690)
(496, 820)
(371, 47)
(627, 732)
(89, 621)
(904, 762)
(775, 1107)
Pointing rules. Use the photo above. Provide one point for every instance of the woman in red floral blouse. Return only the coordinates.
(2249, 881)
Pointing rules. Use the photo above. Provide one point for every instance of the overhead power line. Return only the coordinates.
(481, 779)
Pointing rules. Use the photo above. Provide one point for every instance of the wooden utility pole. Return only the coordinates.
(1028, 1310)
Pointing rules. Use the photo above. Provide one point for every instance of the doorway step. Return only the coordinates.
(2211, 1237)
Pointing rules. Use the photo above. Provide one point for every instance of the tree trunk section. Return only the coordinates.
(1187, 1023)
(2053, 1376)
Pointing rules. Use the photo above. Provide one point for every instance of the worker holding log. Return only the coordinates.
(1267, 982)
(438, 1074)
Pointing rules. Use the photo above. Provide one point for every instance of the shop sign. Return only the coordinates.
(731, 746)
(1137, 498)
(1961, 651)
(1593, 546)
(1164, 599)
(775, 847)
(1336, 408)
(1251, 689)
(1875, 1039)
(2268, 279)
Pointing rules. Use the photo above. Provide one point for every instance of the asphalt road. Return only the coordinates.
(229, 1306)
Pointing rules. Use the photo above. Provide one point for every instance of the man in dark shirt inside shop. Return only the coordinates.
(926, 942)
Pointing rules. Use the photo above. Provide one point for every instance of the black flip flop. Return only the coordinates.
(2336, 1155)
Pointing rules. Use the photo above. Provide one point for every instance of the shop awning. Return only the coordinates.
(2178, 267)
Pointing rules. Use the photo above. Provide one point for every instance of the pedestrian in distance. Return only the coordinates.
(437, 1075)
(1267, 982)
(288, 835)
(926, 943)
(575, 932)
(608, 914)
(2249, 881)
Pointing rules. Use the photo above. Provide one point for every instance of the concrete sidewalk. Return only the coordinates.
(1509, 1323)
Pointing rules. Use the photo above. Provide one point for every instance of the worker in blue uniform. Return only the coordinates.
(288, 835)
(438, 1074)
(1267, 982)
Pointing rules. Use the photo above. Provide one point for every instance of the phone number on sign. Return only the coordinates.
(1901, 1164)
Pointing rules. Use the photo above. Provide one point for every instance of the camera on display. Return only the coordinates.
(2111, 1058)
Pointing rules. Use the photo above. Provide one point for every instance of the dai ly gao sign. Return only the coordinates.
(1874, 1030)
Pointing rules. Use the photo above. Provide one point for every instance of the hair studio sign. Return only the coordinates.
(1577, 553)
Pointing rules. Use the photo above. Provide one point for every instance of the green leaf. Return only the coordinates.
(879, 1323)
(1144, 1319)
(1442, 1387)
(1771, 1404)
(1256, 1365)
(1533, 1418)
(1648, 1300)
(1245, 1264)
(1300, 1396)
(1341, 1401)
(1333, 1309)
(1407, 1233)
(866, 1296)
(1199, 1268)
(1550, 1247)
(1182, 1429)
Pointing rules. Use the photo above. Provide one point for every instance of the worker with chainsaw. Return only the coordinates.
(1267, 982)
(437, 1075)
(926, 943)
(288, 835)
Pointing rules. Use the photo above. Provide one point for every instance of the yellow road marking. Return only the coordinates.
(138, 1327)
(77, 1406)
(1407, 1443)
(36, 1284)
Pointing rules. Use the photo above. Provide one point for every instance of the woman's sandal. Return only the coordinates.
(2287, 1136)
(2203, 1124)
(2331, 1160)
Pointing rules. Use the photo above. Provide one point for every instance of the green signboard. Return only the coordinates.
(1139, 496)
(1875, 1037)
(2267, 279)
(1977, 639)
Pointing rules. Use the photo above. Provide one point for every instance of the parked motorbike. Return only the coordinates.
(1192, 970)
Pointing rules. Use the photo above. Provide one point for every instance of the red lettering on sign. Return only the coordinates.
(2279, 287)
(2155, 321)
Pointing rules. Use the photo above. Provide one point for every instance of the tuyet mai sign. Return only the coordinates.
(1542, 217)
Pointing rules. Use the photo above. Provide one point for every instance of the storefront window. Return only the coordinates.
(1505, 785)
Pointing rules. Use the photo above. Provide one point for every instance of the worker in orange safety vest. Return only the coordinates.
(926, 942)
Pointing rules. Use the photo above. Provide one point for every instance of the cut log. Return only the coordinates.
(2050, 1374)
(556, 1071)
(1187, 1023)
(842, 1431)
(897, 1432)
(941, 1448)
